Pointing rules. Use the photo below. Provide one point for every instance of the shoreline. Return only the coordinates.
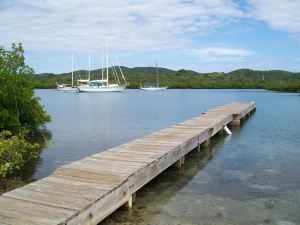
(283, 91)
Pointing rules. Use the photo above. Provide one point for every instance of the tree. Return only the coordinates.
(20, 108)
(20, 111)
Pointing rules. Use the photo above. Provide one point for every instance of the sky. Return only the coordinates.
(201, 35)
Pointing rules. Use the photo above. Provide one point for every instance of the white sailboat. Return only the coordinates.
(103, 85)
(67, 87)
(152, 87)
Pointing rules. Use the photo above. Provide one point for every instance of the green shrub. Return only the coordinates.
(20, 109)
(14, 152)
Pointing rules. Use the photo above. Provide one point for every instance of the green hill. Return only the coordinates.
(242, 78)
(267, 75)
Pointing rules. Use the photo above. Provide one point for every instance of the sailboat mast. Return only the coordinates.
(102, 59)
(72, 70)
(106, 61)
(156, 75)
(89, 65)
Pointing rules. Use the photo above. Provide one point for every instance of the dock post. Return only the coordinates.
(130, 201)
(199, 145)
(206, 143)
(179, 162)
(235, 122)
(227, 130)
(133, 198)
(182, 160)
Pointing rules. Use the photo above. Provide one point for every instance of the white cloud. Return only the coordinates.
(278, 14)
(215, 52)
(131, 25)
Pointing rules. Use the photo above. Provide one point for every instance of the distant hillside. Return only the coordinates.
(242, 78)
(267, 75)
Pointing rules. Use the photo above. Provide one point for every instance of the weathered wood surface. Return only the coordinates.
(88, 190)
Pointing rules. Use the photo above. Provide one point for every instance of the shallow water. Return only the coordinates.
(251, 177)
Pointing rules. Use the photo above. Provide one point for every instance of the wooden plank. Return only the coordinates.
(26, 212)
(113, 177)
(83, 182)
(50, 199)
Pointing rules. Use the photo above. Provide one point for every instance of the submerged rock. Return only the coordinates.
(219, 215)
(267, 220)
(269, 204)
(285, 223)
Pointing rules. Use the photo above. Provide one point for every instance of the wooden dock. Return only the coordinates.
(87, 191)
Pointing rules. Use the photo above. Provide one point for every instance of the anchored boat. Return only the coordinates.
(67, 87)
(100, 86)
(153, 87)
(103, 85)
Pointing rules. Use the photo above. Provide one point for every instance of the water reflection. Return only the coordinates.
(43, 138)
(152, 198)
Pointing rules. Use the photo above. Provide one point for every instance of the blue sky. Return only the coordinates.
(205, 36)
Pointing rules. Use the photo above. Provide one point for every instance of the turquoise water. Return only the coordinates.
(251, 177)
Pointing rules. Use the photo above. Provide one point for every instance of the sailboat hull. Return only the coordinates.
(153, 88)
(101, 89)
(67, 89)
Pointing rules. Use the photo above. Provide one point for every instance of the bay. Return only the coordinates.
(251, 177)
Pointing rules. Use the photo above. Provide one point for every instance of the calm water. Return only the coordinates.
(252, 177)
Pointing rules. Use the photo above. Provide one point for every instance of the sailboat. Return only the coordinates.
(67, 87)
(103, 85)
(154, 88)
